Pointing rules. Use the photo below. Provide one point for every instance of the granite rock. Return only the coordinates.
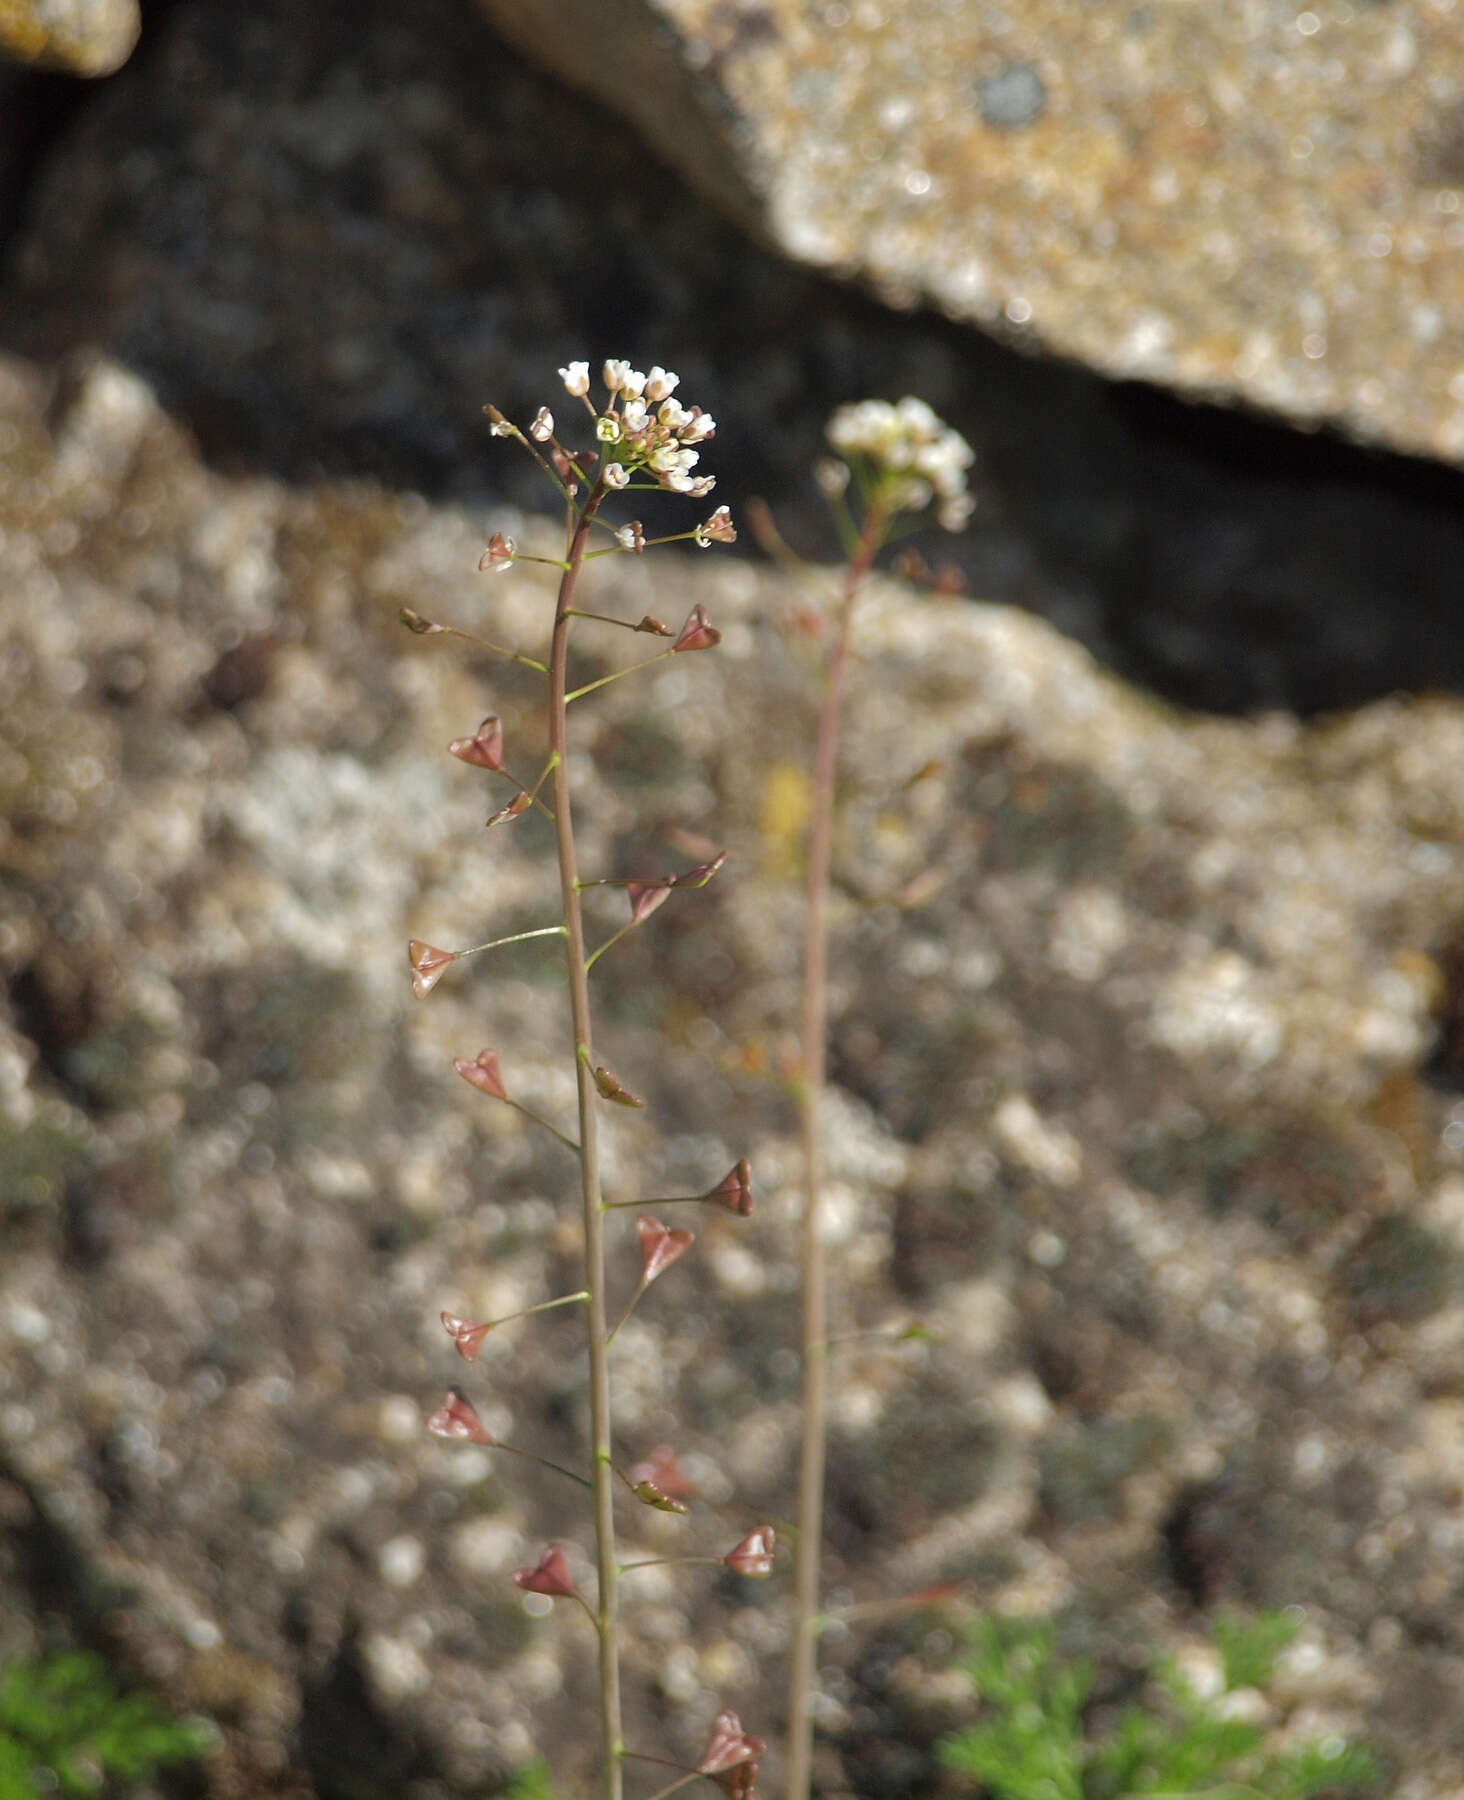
(1147, 1107)
(84, 37)
(315, 237)
(1260, 204)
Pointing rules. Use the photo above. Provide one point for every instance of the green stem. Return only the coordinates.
(611, 1745)
(814, 1281)
(619, 675)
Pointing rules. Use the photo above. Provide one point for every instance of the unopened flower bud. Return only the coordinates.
(498, 426)
(654, 627)
(649, 1494)
(610, 1089)
(542, 428)
(662, 1468)
(428, 966)
(616, 476)
(576, 379)
(455, 1418)
(415, 622)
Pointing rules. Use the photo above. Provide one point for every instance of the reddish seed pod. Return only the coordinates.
(429, 964)
(660, 1246)
(484, 750)
(455, 1418)
(468, 1338)
(482, 1073)
(696, 633)
(550, 1577)
(754, 1555)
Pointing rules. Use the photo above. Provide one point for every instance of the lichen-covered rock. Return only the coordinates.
(1132, 1019)
(86, 37)
(1262, 204)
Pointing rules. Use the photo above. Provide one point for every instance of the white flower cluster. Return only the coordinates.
(910, 440)
(649, 428)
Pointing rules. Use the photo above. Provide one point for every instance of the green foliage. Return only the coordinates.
(65, 1729)
(532, 1783)
(1033, 1742)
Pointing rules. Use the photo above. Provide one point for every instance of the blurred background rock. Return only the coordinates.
(1151, 1113)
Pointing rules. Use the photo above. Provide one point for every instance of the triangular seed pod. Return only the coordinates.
(468, 1338)
(455, 1418)
(754, 1555)
(484, 750)
(734, 1190)
(429, 964)
(696, 633)
(660, 1246)
(645, 897)
(482, 1073)
(728, 1745)
(550, 1577)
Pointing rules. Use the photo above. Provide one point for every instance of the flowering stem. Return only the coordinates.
(814, 1347)
(611, 1746)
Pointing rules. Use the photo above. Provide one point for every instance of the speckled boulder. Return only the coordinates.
(87, 37)
(1264, 204)
(1147, 1111)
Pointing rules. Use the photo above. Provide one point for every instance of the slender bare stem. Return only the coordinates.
(814, 1345)
(611, 1745)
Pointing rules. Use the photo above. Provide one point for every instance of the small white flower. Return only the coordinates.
(634, 384)
(576, 379)
(614, 373)
(633, 415)
(673, 415)
(616, 476)
(607, 428)
(631, 537)
(660, 384)
(832, 476)
(542, 428)
(702, 486)
(701, 425)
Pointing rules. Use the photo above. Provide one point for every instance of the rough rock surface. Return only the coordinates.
(1148, 1108)
(1258, 202)
(327, 235)
(85, 37)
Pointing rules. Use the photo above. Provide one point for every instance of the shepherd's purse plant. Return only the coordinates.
(641, 437)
